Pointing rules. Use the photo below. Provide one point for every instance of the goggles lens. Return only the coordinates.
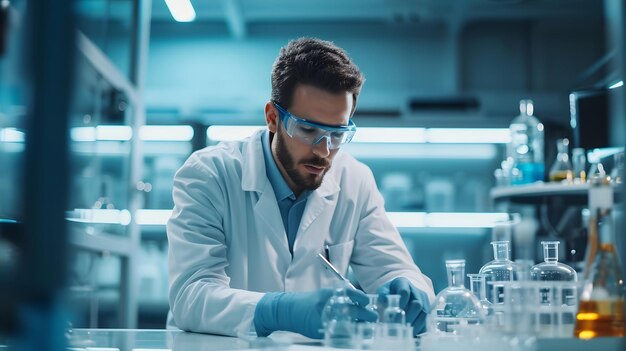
(312, 133)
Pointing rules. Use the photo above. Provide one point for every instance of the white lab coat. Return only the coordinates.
(227, 241)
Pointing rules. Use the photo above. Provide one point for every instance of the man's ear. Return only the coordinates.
(271, 117)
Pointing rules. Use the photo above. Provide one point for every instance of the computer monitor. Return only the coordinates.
(589, 118)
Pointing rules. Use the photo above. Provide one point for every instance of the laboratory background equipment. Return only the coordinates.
(562, 169)
(527, 145)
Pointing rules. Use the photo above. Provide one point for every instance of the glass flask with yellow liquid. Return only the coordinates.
(601, 308)
(561, 169)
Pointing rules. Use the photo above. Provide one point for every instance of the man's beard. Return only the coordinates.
(303, 181)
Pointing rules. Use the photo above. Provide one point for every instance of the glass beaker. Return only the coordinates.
(499, 269)
(601, 307)
(561, 169)
(455, 307)
(579, 165)
(336, 320)
(478, 286)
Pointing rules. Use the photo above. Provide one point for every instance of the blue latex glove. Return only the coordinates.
(413, 301)
(301, 312)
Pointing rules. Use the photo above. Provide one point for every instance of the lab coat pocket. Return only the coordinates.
(340, 255)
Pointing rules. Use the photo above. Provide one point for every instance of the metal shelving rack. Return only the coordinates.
(131, 86)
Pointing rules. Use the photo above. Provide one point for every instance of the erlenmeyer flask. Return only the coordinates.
(561, 169)
(601, 308)
(498, 270)
(455, 307)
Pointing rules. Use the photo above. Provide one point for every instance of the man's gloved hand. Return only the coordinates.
(413, 301)
(301, 312)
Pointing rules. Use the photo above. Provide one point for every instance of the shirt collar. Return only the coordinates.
(281, 188)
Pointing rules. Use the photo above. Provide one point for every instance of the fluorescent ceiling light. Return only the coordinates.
(445, 220)
(166, 133)
(99, 216)
(617, 85)
(423, 151)
(468, 135)
(464, 220)
(399, 219)
(181, 10)
(152, 217)
(102, 133)
(389, 135)
(12, 135)
(407, 219)
(231, 133)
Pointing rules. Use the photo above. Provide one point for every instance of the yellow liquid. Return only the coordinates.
(600, 318)
(559, 176)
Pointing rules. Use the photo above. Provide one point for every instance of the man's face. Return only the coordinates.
(304, 165)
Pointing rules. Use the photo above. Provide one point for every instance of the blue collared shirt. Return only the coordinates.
(291, 209)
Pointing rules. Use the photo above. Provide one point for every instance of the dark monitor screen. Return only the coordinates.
(589, 118)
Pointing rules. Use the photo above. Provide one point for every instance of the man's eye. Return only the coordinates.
(336, 135)
(307, 129)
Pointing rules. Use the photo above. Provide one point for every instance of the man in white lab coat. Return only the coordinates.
(250, 217)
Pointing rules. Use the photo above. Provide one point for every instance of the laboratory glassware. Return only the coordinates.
(455, 307)
(551, 269)
(372, 305)
(556, 302)
(618, 168)
(596, 168)
(579, 165)
(500, 269)
(526, 146)
(562, 169)
(601, 307)
(393, 314)
(336, 320)
(478, 286)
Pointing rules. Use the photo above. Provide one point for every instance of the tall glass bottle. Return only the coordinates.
(562, 169)
(579, 165)
(500, 269)
(527, 144)
(601, 308)
(455, 306)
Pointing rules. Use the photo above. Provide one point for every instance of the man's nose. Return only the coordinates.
(322, 148)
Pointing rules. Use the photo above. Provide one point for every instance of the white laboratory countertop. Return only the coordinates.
(158, 339)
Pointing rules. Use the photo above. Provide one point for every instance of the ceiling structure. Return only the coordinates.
(240, 14)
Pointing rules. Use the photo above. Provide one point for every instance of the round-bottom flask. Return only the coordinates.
(455, 307)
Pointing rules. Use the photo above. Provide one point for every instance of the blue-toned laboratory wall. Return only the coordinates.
(199, 69)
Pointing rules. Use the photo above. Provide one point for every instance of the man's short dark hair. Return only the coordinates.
(314, 62)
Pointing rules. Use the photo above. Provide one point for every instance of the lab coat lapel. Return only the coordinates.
(254, 178)
(319, 201)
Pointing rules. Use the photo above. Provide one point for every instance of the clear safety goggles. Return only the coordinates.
(312, 133)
